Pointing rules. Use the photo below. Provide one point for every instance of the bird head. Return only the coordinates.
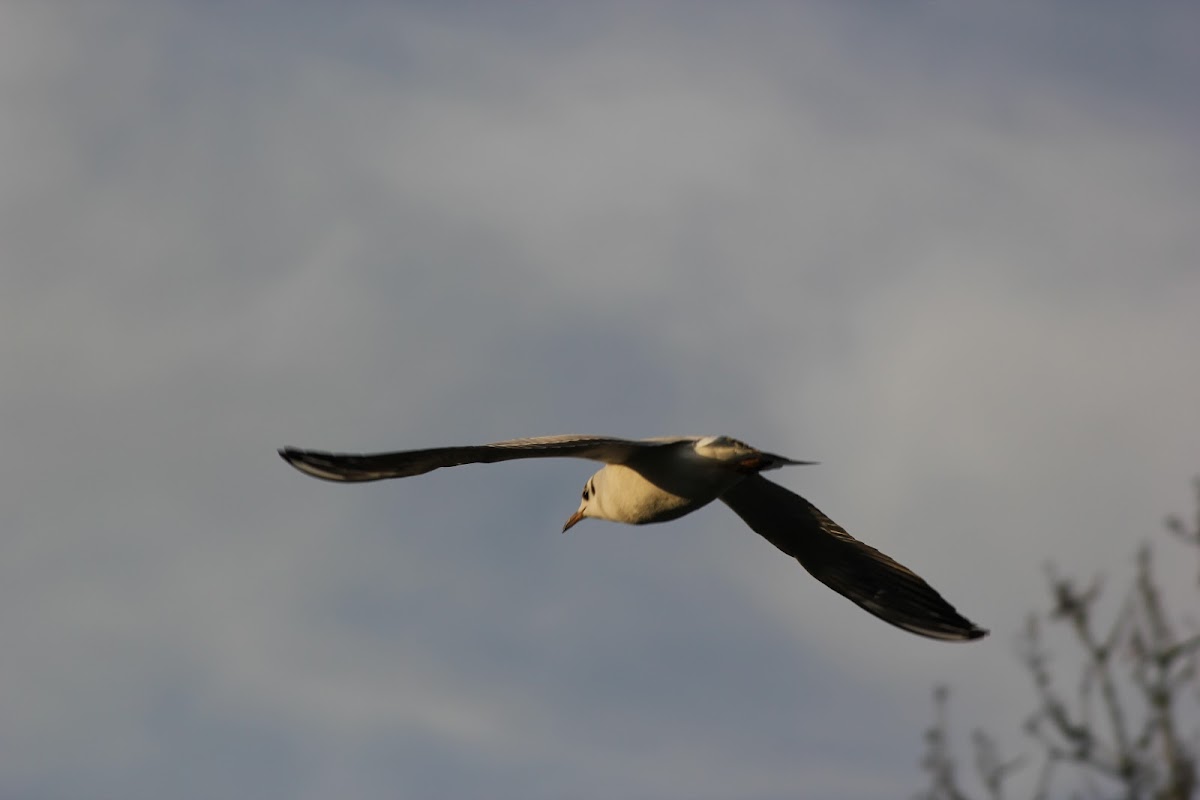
(587, 506)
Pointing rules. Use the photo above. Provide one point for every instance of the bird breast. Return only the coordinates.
(642, 495)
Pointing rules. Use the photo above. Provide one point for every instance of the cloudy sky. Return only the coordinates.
(948, 250)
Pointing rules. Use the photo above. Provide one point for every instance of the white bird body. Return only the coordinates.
(657, 480)
(667, 482)
(623, 494)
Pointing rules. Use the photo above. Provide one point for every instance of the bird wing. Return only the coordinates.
(885, 588)
(353, 467)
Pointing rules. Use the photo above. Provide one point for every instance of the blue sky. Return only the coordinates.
(949, 251)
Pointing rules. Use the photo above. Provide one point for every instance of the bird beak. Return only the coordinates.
(578, 515)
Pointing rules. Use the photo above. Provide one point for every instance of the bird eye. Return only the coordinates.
(586, 491)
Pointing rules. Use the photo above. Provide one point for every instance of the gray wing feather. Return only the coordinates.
(882, 586)
(352, 467)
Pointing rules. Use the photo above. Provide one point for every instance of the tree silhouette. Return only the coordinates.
(1132, 728)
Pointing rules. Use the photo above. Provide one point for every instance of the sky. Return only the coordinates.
(947, 250)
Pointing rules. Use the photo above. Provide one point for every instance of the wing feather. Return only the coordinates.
(877, 583)
(353, 467)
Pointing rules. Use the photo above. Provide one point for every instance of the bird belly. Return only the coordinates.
(641, 499)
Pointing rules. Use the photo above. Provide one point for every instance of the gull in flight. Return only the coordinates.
(656, 480)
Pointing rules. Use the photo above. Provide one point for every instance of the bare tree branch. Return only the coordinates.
(1133, 730)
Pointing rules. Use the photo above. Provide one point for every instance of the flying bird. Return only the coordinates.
(661, 479)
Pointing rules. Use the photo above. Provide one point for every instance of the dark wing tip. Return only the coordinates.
(909, 603)
(335, 467)
(969, 634)
(966, 631)
(893, 593)
(292, 455)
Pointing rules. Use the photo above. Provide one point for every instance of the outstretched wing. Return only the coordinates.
(406, 463)
(885, 588)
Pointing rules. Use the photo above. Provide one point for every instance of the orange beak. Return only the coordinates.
(578, 515)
